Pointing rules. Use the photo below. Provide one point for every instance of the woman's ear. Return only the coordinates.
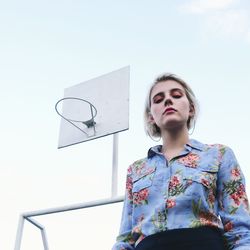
(191, 110)
(151, 119)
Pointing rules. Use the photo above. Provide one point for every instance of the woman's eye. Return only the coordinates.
(177, 95)
(158, 99)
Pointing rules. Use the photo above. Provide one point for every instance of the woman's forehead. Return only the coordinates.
(166, 86)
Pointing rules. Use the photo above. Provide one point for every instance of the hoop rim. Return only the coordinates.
(79, 99)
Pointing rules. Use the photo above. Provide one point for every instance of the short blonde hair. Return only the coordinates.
(152, 129)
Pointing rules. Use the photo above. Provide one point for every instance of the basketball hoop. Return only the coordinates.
(89, 123)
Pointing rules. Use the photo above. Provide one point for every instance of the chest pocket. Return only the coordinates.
(207, 179)
(207, 176)
(143, 180)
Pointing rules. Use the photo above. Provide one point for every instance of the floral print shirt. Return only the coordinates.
(203, 185)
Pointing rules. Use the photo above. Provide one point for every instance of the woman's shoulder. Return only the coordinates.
(138, 164)
(218, 151)
(140, 168)
(222, 148)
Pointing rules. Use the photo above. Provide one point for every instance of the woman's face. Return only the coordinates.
(170, 107)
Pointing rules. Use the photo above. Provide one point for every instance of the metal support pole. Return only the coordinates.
(73, 207)
(28, 216)
(45, 241)
(43, 232)
(19, 233)
(115, 166)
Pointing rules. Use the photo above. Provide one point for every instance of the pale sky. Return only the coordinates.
(47, 46)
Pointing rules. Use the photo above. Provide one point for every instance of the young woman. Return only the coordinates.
(185, 195)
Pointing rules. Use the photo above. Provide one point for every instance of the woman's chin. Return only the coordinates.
(174, 125)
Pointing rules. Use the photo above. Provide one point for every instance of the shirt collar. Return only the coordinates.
(196, 145)
(192, 144)
(154, 150)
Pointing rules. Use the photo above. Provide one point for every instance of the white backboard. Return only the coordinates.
(94, 108)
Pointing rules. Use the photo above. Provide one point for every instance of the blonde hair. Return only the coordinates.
(152, 129)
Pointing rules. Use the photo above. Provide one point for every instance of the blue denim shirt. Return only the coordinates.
(203, 185)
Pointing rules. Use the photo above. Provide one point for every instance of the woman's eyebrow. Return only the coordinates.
(161, 93)
(176, 89)
(158, 94)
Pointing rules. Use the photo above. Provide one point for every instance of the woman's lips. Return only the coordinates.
(169, 110)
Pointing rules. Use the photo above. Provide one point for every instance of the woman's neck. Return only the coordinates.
(173, 142)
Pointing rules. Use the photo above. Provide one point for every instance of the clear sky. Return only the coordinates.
(46, 46)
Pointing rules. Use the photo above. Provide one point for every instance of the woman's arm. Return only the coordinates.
(233, 202)
(125, 240)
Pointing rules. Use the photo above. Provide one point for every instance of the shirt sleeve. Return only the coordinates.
(233, 202)
(125, 240)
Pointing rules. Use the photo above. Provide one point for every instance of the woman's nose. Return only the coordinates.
(168, 101)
